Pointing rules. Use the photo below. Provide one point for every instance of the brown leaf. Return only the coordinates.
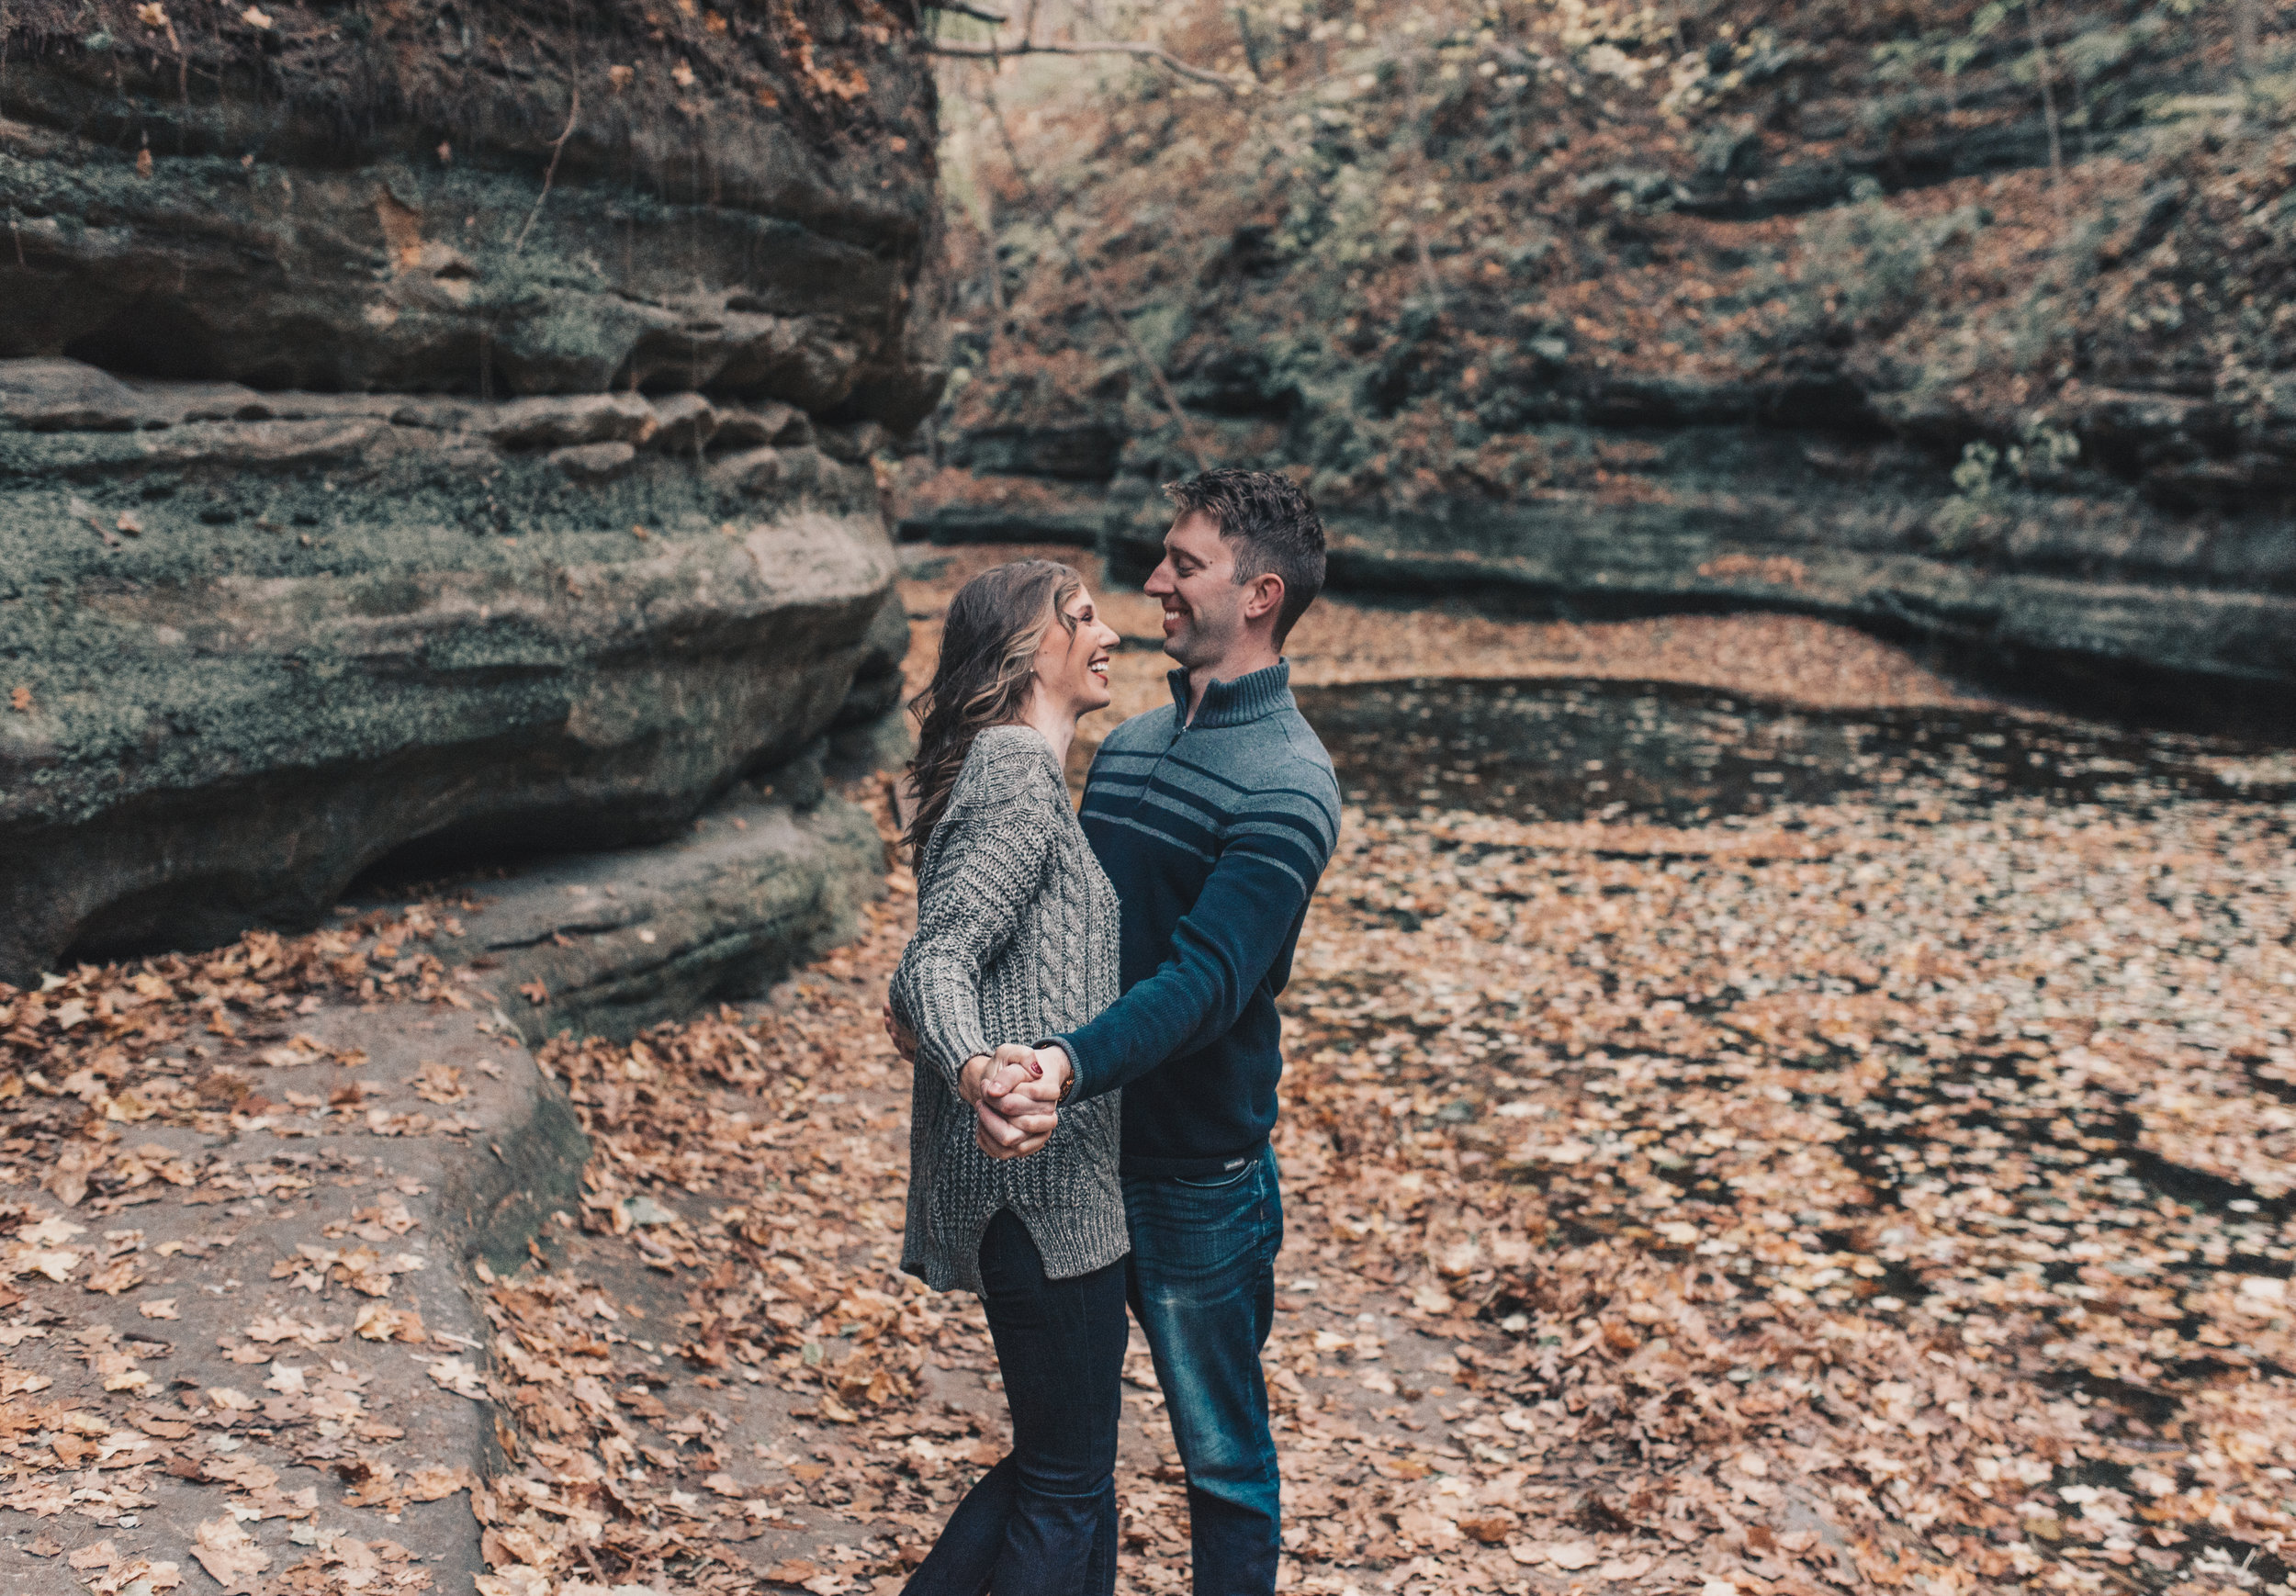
(114, 1278)
(230, 1553)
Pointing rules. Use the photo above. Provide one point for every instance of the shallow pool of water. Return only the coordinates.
(1573, 749)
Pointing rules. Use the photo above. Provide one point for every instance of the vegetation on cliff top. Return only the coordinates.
(1417, 231)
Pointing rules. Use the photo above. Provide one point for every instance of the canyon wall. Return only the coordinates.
(436, 432)
(1597, 310)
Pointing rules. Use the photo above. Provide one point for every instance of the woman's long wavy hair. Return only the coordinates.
(989, 645)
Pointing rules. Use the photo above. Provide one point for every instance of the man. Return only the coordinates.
(1214, 817)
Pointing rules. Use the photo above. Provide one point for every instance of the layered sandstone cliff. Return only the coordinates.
(435, 431)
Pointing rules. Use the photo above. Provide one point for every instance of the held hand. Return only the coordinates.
(984, 1078)
(1015, 1136)
(985, 1140)
(1028, 1080)
(1013, 1109)
(903, 1040)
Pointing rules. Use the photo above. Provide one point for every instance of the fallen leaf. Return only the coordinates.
(228, 1554)
(457, 1375)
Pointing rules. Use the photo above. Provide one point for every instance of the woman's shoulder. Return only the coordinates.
(1004, 760)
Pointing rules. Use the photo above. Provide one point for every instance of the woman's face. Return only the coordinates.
(1072, 667)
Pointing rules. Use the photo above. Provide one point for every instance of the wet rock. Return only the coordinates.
(249, 659)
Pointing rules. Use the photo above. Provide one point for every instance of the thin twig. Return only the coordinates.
(1091, 47)
(958, 9)
(2048, 106)
(1092, 288)
(550, 174)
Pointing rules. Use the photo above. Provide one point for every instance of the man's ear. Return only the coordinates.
(1263, 595)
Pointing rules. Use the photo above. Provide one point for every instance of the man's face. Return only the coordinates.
(1203, 604)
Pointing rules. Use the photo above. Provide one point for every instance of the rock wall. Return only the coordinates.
(1590, 310)
(436, 432)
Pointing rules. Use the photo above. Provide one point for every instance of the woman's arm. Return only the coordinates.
(992, 846)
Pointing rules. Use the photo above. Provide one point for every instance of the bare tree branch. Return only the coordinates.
(959, 9)
(1155, 52)
(549, 177)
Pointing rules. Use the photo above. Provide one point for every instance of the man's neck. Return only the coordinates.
(1229, 667)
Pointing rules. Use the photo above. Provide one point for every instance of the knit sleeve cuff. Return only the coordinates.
(1083, 1087)
(956, 1048)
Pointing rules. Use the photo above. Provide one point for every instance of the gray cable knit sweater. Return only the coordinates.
(1016, 940)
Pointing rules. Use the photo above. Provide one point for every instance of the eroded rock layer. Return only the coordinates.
(494, 199)
(257, 642)
(1898, 316)
(436, 432)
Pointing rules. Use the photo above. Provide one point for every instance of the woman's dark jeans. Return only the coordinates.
(1041, 1522)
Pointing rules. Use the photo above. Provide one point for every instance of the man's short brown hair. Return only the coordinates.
(1272, 524)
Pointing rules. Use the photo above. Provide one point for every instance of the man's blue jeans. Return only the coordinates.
(1203, 1287)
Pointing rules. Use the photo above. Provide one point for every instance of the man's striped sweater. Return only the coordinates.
(1214, 832)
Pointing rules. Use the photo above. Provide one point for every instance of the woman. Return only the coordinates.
(1016, 941)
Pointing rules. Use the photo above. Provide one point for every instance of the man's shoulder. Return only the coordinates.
(1288, 754)
(1305, 746)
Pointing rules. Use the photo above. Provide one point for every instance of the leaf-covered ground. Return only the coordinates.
(1887, 1191)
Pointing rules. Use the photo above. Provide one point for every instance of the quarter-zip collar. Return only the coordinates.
(1234, 704)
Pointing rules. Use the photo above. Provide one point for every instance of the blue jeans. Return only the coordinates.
(1203, 1287)
(1041, 1522)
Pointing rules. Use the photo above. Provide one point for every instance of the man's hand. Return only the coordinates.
(1008, 1123)
(903, 1040)
(1028, 1079)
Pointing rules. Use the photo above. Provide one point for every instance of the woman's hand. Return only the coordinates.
(1007, 1124)
(1031, 1140)
(903, 1040)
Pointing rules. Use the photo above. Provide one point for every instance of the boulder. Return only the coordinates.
(243, 661)
(609, 943)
